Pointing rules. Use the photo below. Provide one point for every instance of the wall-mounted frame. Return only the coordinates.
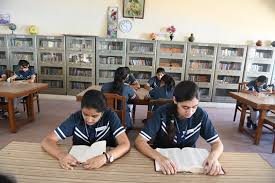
(133, 8)
(4, 18)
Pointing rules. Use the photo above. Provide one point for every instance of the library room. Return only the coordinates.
(137, 91)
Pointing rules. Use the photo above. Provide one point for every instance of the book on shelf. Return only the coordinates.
(82, 152)
(187, 159)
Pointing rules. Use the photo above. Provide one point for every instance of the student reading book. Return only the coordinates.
(94, 122)
(82, 152)
(179, 125)
(187, 159)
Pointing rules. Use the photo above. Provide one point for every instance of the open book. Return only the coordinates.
(187, 159)
(83, 152)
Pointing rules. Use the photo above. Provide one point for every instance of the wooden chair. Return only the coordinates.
(241, 86)
(157, 102)
(35, 98)
(270, 121)
(118, 104)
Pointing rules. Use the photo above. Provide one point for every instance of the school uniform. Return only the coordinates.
(107, 128)
(160, 93)
(187, 130)
(128, 92)
(131, 80)
(253, 87)
(21, 75)
(1, 73)
(154, 82)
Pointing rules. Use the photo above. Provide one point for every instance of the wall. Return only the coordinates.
(220, 21)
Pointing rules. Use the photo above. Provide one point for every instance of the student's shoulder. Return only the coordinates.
(163, 109)
(106, 86)
(199, 114)
(109, 114)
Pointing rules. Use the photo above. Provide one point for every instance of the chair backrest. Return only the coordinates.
(157, 102)
(118, 104)
(241, 86)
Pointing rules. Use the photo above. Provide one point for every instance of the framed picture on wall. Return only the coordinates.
(4, 18)
(133, 8)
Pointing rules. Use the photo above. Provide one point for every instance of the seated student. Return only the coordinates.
(180, 125)
(255, 87)
(92, 123)
(155, 81)
(119, 87)
(165, 91)
(24, 73)
(131, 80)
(3, 76)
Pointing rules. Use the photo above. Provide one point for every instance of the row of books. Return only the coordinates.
(26, 43)
(202, 51)
(81, 44)
(224, 92)
(266, 54)
(51, 57)
(140, 61)
(81, 58)
(228, 79)
(204, 91)
(170, 63)
(23, 56)
(51, 71)
(141, 47)
(199, 78)
(80, 72)
(110, 60)
(3, 55)
(110, 46)
(230, 66)
(175, 76)
(258, 68)
(171, 50)
(2, 42)
(106, 74)
(51, 43)
(199, 64)
(232, 52)
(3, 67)
(54, 84)
(142, 75)
(80, 85)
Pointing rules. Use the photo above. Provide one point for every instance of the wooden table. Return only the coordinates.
(29, 163)
(141, 93)
(19, 89)
(262, 103)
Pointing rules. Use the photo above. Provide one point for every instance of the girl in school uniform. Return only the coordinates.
(155, 81)
(119, 87)
(180, 125)
(24, 72)
(94, 122)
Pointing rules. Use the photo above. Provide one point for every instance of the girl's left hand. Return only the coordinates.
(212, 166)
(95, 162)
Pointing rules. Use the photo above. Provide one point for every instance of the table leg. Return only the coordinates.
(30, 108)
(242, 118)
(260, 126)
(11, 115)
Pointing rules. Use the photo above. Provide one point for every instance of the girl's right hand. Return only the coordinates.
(167, 166)
(67, 161)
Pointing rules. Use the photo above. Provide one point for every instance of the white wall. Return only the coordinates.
(221, 21)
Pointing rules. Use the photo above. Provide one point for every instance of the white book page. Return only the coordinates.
(82, 152)
(186, 159)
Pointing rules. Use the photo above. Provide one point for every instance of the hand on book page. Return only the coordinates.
(187, 159)
(212, 166)
(82, 152)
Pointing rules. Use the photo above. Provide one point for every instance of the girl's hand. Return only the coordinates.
(67, 161)
(167, 166)
(95, 162)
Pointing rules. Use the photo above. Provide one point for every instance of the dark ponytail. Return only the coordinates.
(184, 91)
(120, 76)
(169, 82)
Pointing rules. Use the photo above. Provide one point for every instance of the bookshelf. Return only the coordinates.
(259, 61)
(51, 63)
(172, 57)
(80, 61)
(229, 71)
(141, 58)
(110, 55)
(200, 67)
(22, 47)
(4, 56)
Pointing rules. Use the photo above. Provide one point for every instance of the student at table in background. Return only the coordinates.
(24, 72)
(119, 87)
(3, 76)
(7, 179)
(131, 80)
(155, 81)
(179, 125)
(255, 87)
(92, 123)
